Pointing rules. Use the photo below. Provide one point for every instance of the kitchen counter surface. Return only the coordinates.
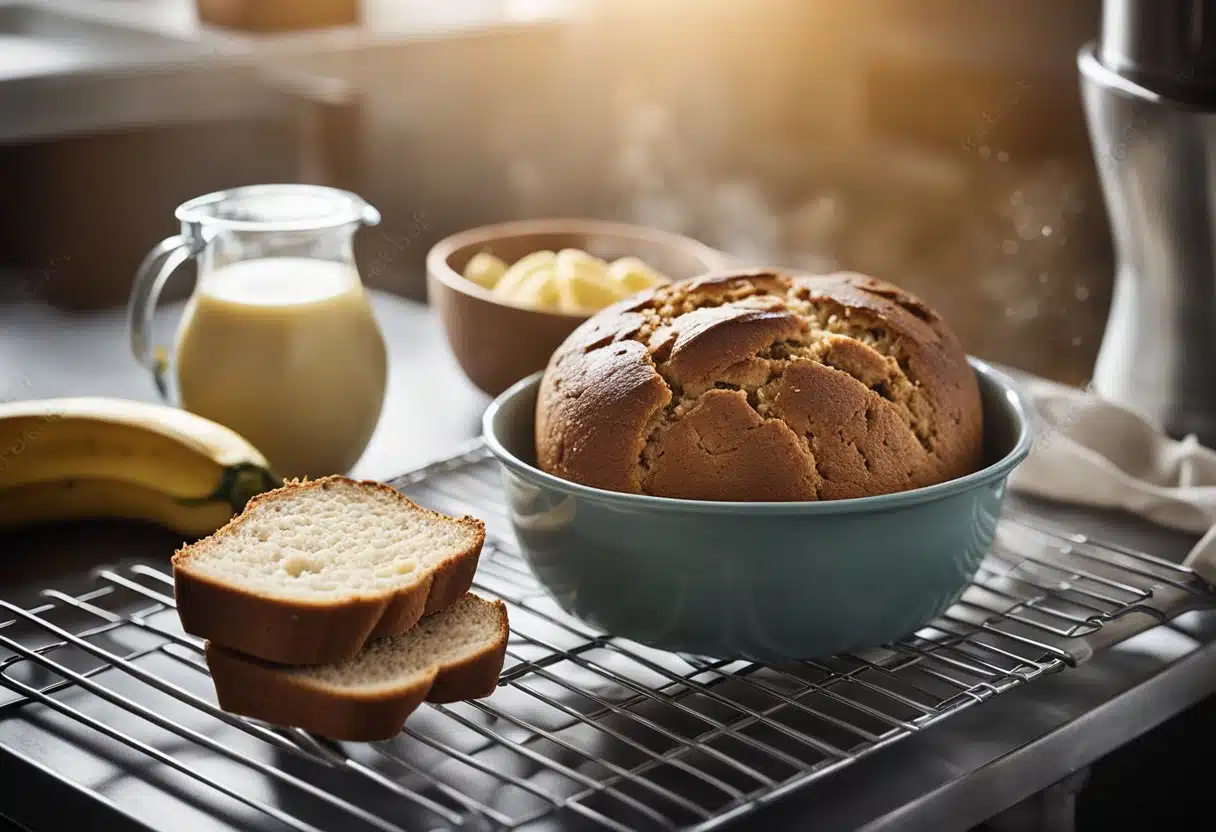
(951, 776)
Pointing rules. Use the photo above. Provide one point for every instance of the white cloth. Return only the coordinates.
(1089, 451)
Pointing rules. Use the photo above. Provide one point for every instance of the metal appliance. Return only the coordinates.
(1149, 87)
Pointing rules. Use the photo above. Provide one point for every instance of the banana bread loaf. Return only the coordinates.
(761, 386)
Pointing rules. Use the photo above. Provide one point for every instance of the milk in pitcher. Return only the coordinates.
(285, 351)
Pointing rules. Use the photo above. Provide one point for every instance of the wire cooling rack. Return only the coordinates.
(100, 689)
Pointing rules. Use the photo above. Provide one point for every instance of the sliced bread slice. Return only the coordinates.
(309, 572)
(452, 655)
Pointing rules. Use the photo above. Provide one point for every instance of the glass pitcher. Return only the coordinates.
(278, 341)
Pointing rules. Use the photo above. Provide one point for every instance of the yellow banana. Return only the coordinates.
(485, 269)
(93, 498)
(519, 271)
(583, 284)
(634, 275)
(98, 457)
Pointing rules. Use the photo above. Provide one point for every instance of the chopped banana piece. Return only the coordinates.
(573, 257)
(521, 270)
(583, 290)
(634, 275)
(569, 280)
(539, 290)
(585, 268)
(582, 282)
(485, 269)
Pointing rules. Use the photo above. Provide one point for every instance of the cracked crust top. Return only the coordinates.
(761, 386)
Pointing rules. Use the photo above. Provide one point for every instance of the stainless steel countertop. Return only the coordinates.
(955, 774)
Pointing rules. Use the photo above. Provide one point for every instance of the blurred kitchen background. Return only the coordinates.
(938, 143)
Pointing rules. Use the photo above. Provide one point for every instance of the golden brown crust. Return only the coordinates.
(759, 385)
(258, 689)
(617, 379)
(292, 631)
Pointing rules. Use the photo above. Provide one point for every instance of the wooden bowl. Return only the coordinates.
(496, 342)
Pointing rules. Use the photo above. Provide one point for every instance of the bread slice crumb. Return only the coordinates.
(309, 572)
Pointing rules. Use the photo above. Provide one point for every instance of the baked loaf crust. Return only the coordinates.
(758, 385)
(237, 587)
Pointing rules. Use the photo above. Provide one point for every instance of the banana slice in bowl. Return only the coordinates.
(508, 294)
(570, 280)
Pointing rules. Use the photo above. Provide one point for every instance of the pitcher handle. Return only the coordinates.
(153, 273)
